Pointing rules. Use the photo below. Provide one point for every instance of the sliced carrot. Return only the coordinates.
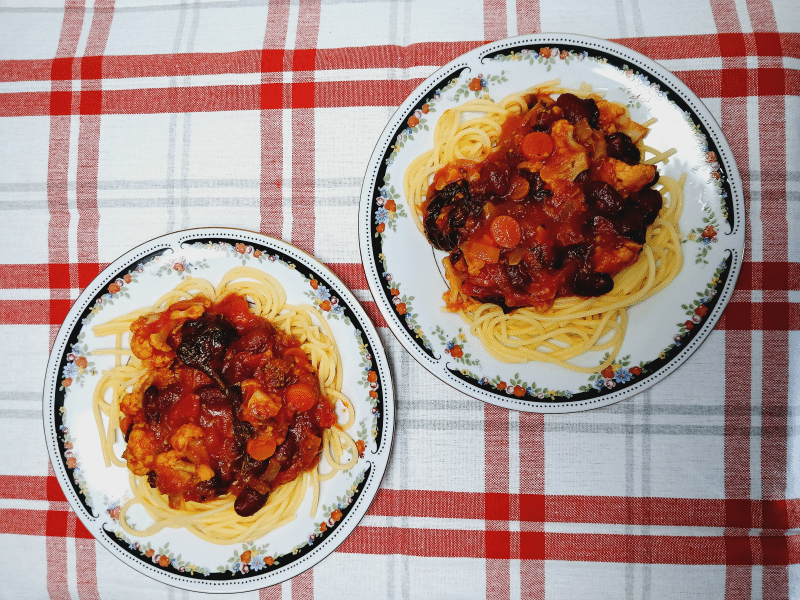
(300, 397)
(262, 447)
(506, 231)
(537, 145)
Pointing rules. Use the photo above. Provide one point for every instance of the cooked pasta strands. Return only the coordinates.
(216, 521)
(658, 156)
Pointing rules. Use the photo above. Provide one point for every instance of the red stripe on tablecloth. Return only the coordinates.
(738, 516)
(271, 194)
(738, 316)
(55, 524)
(497, 502)
(85, 550)
(274, 592)
(89, 132)
(329, 94)
(495, 21)
(782, 276)
(772, 155)
(538, 508)
(528, 17)
(60, 104)
(740, 82)
(28, 487)
(588, 547)
(303, 586)
(391, 56)
(59, 107)
(88, 213)
(303, 100)
(252, 61)
(532, 504)
(772, 515)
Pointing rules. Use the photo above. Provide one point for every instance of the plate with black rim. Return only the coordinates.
(96, 492)
(404, 271)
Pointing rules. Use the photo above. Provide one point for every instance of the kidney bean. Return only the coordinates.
(544, 122)
(497, 176)
(603, 198)
(575, 109)
(632, 226)
(649, 202)
(621, 147)
(249, 502)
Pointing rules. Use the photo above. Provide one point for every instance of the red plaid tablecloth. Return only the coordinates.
(123, 121)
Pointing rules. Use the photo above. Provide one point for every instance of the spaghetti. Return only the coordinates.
(546, 166)
(216, 520)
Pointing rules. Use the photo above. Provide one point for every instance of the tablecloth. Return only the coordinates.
(122, 121)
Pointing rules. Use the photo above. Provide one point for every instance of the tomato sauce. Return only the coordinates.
(560, 205)
(229, 404)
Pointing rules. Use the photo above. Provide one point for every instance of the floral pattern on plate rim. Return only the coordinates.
(620, 373)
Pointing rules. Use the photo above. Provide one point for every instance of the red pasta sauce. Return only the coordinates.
(561, 204)
(229, 405)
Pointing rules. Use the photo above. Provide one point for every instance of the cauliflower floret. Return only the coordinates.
(625, 178)
(568, 159)
(185, 434)
(141, 451)
(195, 311)
(258, 404)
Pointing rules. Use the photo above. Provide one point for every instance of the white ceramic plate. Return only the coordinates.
(404, 272)
(95, 492)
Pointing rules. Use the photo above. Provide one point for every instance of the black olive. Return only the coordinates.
(456, 255)
(632, 226)
(575, 109)
(592, 283)
(242, 432)
(204, 342)
(211, 487)
(621, 147)
(446, 238)
(249, 502)
(603, 198)
(649, 203)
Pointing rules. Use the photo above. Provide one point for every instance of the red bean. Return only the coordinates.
(603, 198)
(621, 147)
(592, 283)
(249, 502)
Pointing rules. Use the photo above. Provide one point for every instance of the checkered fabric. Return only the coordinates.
(122, 121)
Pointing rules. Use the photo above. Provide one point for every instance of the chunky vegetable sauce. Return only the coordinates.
(561, 205)
(229, 404)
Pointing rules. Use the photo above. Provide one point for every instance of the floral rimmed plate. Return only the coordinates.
(96, 493)
(405, 273)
